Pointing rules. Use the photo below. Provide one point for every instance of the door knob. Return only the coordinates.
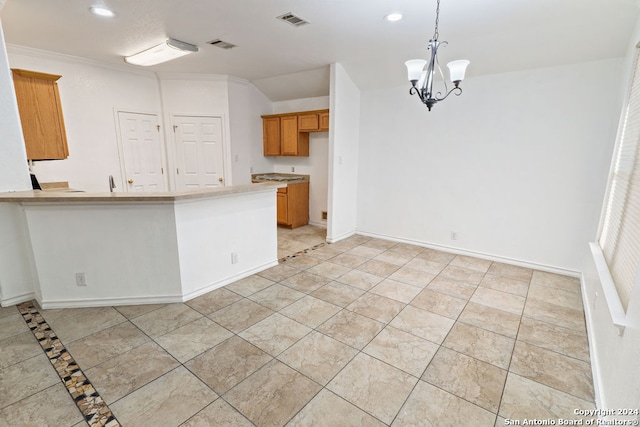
(130, 181)
(220, 179)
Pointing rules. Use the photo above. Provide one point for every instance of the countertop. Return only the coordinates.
(282, 178)
(37, 196)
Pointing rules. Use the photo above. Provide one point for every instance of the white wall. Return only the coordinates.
(316, 165)
(138, 252)
(246, 105)
(344, 143)
(17, 274)
(14, 175)
(89, 94)
(211, 230)
(195, 95)
(614, 357)
(128, 252)
(514, 165)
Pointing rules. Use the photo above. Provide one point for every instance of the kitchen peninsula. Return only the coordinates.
(100, 249)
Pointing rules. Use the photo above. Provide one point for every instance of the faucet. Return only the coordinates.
(112, 183)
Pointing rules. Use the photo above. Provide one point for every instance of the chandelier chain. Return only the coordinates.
(435, 34)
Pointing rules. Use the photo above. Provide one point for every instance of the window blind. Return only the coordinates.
(620, 230)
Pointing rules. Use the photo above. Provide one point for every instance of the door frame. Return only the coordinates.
(226, 146)
(121, 156)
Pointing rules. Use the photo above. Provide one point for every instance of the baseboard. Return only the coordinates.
(340, 237)
(108, 302)
(7, 302)
(593, 354)
(490, 257)
(322, 224)
(154, 299)
(220, 283)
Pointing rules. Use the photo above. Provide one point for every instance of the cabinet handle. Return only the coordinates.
(130, 181)
(220, 179)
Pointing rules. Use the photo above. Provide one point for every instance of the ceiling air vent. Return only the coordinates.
(221, 44)
(292, 19)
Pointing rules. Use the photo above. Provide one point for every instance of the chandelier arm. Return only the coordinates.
(437, 63)
(456, 90)
(415, 91)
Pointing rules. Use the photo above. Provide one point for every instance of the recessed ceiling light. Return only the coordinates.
(102, 11)
(393, 17)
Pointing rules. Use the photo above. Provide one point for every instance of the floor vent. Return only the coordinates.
(292, 19)
(221, 44)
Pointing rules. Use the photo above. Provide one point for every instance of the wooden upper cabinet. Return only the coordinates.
(288, 134)
(294, 142)
(41, 115)
(323, 119)
(313, 121)
(271, 136)
(308, 122)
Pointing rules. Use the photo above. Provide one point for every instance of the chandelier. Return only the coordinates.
(422, 80)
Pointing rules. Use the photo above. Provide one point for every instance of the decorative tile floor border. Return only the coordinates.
(302, 252)
(93, 407)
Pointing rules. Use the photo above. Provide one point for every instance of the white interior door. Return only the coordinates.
(142, 152)
(199, 152)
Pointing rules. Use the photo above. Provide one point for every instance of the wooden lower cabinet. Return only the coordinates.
(293, 205)
(283, 208)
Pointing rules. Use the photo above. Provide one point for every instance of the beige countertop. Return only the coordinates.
(64, 196)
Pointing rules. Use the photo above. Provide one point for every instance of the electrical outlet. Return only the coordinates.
(251, 169)
(293, 168)
(81, 279)
(323, 215)
(454, 235)
(234, 257)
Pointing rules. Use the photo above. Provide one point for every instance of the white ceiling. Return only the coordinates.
(288, 62)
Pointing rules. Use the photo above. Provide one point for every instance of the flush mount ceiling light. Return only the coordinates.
(102, 11)
(166, 51)
(422, 80)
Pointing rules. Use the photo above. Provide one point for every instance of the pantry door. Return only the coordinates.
(199, 152)
(142, 163)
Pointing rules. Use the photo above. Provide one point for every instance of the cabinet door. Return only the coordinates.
(308, 122)
(282, 209)
(324, 121)
(289, 135)
(271, 136)
(298, 204)
(40, 115)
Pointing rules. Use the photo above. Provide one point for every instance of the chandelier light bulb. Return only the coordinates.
(457, 70)
(414, 68)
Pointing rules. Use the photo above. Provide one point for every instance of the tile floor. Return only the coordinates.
(363, 332)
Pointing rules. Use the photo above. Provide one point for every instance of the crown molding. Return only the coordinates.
(56, 56)
(202, 77)
(70, 59)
